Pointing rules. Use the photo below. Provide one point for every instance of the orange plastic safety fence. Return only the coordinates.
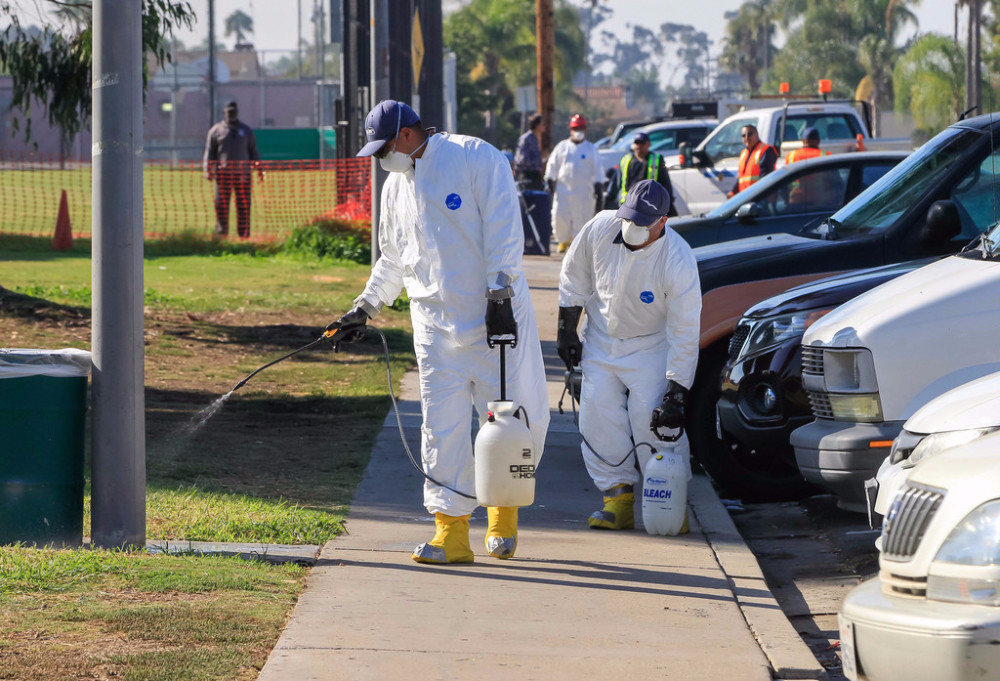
(262, 200)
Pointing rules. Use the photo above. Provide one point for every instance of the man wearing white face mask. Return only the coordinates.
(638, 281)
(450, 232)
(573, 175)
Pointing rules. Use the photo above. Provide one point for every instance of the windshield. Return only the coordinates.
(729, 208)
(884, 202)
(726, 142)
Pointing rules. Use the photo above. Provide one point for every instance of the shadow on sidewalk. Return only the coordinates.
(618, 577)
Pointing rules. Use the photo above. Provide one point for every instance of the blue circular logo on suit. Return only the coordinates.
(646, 297)
(453, 201)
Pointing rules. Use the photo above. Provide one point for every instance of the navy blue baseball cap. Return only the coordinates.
(384, 122)
(809, 134)
(647, 202)
(640, 138)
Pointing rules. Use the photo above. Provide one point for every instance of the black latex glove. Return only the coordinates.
(551, 184)
(568, 341)
(349, 328)
(500, 321)
(598, 197)
(670, 413)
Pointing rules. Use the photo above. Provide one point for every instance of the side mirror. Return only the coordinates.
(684, 149)
(748, 211)
(701, 159)
(942, 224)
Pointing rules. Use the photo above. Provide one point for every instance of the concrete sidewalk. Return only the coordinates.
(574, 604)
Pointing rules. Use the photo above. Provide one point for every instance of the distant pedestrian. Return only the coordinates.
(640, 164)
(230, 156)
(574, 178)
(756, 160)
(528, 155)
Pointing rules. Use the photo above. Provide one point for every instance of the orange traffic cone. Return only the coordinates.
(63, 239)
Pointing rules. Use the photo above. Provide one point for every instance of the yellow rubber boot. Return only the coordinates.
(501, 533)
(686, 526)
(450, 543)
(618, 512)
(562, 247)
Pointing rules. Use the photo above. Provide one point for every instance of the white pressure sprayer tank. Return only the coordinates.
(664, 492)
(505, 458)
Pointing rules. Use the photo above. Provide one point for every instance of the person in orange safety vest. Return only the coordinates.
(810, 147)
(756, 160)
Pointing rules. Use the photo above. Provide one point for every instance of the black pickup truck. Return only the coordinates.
(933, 203)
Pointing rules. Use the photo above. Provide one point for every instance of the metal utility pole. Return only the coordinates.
(118, 468)
(211, 63)
(298, 44)
(545, 40)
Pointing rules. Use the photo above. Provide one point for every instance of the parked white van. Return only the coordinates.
(933, 612)
(873, 362)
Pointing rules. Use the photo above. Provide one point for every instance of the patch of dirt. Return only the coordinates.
(21, 305)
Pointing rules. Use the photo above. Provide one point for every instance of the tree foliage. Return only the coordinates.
(494, 44)
(239, 23)
(51, 67)
(824, 38)
(749, 43)
(929, 82)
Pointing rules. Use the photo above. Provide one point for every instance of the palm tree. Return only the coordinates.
(239, 23)
(748, 45)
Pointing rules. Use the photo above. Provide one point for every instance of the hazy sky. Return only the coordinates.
(275, 20)
(276, 25)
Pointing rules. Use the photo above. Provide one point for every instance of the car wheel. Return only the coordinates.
(739, 471)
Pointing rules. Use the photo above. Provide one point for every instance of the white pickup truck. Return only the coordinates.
(709, 172)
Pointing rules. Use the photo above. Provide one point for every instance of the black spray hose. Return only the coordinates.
(628, 455)
(331, 336)
(399, 420)
(280, 359)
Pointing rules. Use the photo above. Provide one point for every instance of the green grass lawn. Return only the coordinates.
(278, 464)
(173, 200)
(101, 614)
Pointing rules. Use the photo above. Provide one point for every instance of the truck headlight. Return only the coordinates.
(857, 408)
(774, 331)
(938, 442)
(849, 370)
(903, 446)
(975, 540)
(974, 543)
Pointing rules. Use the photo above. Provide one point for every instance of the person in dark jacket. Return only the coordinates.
(230, 156)
(528, 155)
(640, 164)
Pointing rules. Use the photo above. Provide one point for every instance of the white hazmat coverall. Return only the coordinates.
(643, 318)
(447, 230)
(575, 169)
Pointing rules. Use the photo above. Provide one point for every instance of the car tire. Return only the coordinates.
(738, 472)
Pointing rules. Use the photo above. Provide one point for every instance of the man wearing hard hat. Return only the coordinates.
(573, 175)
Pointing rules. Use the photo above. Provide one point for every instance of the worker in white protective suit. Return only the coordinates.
(450, 232)
(573, 175)
(638, 281)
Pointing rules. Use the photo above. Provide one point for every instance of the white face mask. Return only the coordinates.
(397, 161)
(577, 135)
(633, 234)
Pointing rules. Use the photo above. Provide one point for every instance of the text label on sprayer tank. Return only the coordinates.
(522, 471)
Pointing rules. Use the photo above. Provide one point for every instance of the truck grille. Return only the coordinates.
(910, 514)
(820, 403)
(900, 585)
(739, 338)
(812, 360)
